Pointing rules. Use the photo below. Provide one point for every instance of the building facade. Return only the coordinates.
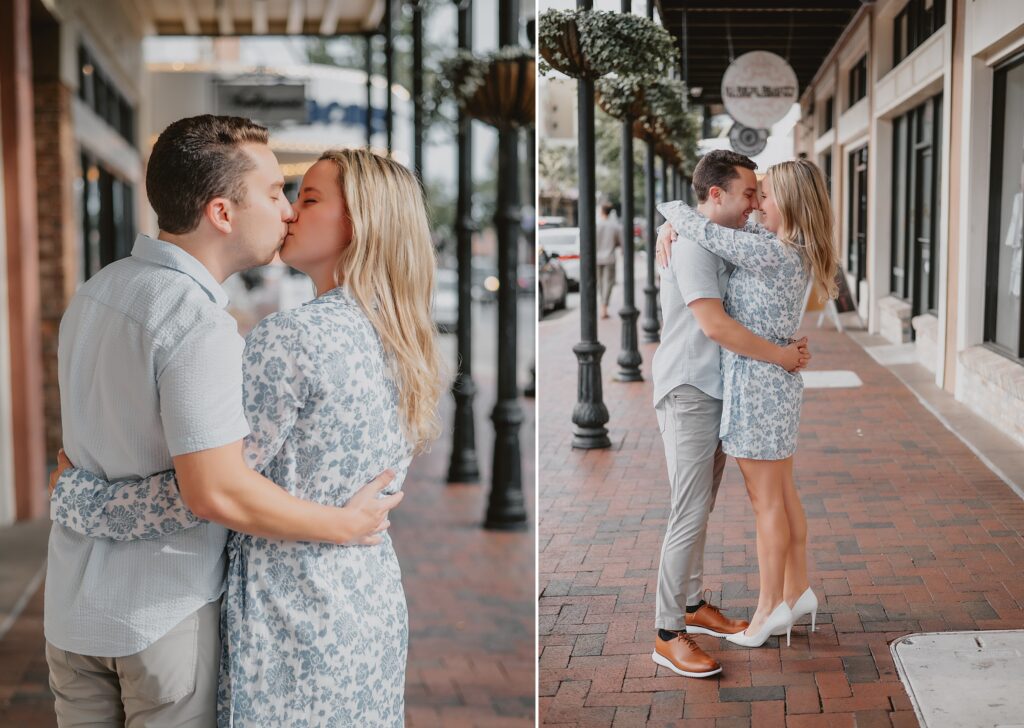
(917, 118)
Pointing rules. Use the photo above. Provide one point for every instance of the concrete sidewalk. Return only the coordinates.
(470, 592)
(909, 532)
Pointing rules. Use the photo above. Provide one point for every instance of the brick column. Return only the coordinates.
(56, 170)
(18, 139)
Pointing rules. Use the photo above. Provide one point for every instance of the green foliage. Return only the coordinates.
(594, 43)
(463, 73)
(608, 158)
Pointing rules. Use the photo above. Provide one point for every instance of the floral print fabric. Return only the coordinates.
(312, 634)
(761, 401)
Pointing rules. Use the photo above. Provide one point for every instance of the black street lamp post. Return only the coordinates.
(651, 325)
(629, 358)
(463, 467)
(369, 90)
(417, 87)
(590, 413)
(389, 69)
(506, 510)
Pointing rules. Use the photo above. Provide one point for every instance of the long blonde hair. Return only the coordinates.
(802, 197)
(389, 267)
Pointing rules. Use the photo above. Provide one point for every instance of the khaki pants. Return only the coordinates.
(605, 282)
(689, 421)
(173, 682)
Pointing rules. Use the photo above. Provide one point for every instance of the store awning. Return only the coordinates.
(260, 17)
(712, 32)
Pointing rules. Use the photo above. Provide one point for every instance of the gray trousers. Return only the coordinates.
(605, 282)
(689, 421)
(173, 682)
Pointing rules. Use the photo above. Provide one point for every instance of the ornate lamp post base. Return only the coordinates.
(506, 510)
(629, 358)
(590, 414)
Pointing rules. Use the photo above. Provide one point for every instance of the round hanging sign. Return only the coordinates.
(746, 140)
(758, 89)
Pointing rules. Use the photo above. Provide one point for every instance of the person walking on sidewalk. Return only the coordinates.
(761, 401)
(609, 238)
(150, 368)
(688, 402)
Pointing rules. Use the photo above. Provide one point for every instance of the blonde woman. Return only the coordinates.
(761, 401)
(335, 392)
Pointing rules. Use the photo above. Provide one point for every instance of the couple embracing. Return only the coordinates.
(726, 382)
(219, 553)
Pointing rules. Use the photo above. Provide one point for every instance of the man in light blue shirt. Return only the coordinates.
(688, 401)
(150, 368)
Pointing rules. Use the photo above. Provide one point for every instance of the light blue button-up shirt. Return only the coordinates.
(150, 367)
(685, 355)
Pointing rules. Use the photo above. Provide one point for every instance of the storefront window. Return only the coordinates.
(858, 81)
(916, 151)
(108, 217)
(100, 94)
(913, 25)
(1004, 276)
(857, 242)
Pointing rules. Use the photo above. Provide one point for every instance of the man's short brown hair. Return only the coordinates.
(196, 160)
(717, 168)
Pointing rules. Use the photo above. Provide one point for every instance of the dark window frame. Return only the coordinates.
(912, 151)
(97, 91)
(108, 232)
(913, 25)
(994, 214)
(856, 238)
(857, 81)
(829, 120)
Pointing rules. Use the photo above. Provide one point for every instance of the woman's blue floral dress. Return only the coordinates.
(760, 401)
(312, 634)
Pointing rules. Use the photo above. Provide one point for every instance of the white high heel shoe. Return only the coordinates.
(806, 604)
(780, 618)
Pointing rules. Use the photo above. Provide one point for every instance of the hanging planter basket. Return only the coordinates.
(588, 44)
(506, 96)
(621, 97)
(561, 45)
(497, 89)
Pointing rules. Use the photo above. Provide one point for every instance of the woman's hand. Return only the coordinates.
(368, 511)
(795, 356)
(62, 464)
(663, 248)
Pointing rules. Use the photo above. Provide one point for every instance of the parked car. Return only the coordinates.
(552, 282)
(527, 278)
(445, 305)
(550, 221)
(565, 244)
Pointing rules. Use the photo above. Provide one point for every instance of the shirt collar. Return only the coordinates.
(160, 252)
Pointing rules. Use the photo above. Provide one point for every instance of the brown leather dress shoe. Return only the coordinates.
(710, 620)
(684, 657)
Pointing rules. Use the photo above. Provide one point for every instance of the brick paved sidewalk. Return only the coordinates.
(471, 603)
(908, 532)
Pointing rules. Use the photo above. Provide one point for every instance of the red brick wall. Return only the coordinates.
(57, 168)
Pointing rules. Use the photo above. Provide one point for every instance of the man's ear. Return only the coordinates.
(715, 194)
(220, 212)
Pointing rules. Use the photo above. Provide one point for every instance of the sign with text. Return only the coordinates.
(270, 104)
(758, 89)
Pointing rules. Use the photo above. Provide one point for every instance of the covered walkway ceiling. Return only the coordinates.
(260, 17)
(801, 31)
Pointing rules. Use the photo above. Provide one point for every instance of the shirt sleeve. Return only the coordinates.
(695, 270)
(280, 378)
(760, 252)
(200, 389)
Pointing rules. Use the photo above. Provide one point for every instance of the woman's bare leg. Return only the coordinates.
(764, 480)
(796, 558)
